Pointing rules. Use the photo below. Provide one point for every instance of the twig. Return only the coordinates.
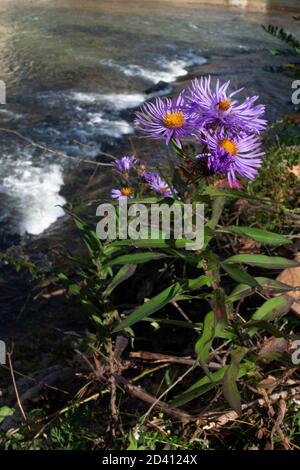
(160, 358)
(147, 398)
(179, 309)
(157, 357)
(231, 415)
(32, 379)
(277, 427)
(53, 151)
(15, 387)
(170, 388)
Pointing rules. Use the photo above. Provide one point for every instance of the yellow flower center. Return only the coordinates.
(164, 189)
(127, 191)
(174, 119)
(225, 104)
(229, 146)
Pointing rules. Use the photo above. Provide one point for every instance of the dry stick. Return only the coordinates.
(169, 388)
(277, 427)
(144, 396)
(179, 309)
(159, 358)
(15, 387)
(210, 416)
(231, 415)
(53, 151)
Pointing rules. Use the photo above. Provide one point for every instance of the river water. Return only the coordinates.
(72, 68)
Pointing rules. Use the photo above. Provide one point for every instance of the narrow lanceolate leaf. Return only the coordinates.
(273, 286)
(198, 282)
(136, 258)
(200, 387)
(239, 292)
(263, 261)
(205, 384)
(203, 344)
(257, 234)
(124, 273)
(273, 308)
(155, 243)
(266, 326)
(152, 306)
(269, 286)
(217, 208)
(230, 388)
(212, 191)
(239, 275)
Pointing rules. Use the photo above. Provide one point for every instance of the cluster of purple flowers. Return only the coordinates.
(227, 130)
(151, 178)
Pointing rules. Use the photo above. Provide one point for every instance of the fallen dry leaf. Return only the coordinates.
(247, 245)
(273, 345)
(291, 276)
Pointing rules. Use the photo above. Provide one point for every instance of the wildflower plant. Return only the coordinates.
(217, 143)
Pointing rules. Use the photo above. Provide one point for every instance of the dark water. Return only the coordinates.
(73, 68)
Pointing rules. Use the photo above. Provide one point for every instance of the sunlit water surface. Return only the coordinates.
(72, 68)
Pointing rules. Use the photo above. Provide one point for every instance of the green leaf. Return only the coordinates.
(5, 411)
(136, 258)
(273, 308)
(200, 387)
(205, 384)
(262, 236)
(217, 208)
(270, 310)
(212, 191)
(177, 149)
(239, 292)
(177, 323)
(268, 285)
(198, 282)
(203, 344)
(230, 390)
(273, 286)
(124, 273)
(153, 305)
(263, 261)
(155, 243)
(283, 35)
(265, 325)
(239, 275)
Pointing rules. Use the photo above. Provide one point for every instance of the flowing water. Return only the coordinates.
(72, 68)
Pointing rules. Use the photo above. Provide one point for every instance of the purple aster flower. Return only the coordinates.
(125, 163)
(157, 183)
(218, 107)
(166, 119)
(125, 193)
(234, 154)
